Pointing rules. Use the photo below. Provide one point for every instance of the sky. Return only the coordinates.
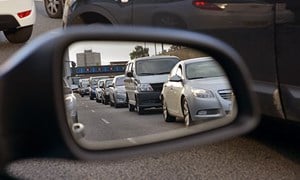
(111, 51)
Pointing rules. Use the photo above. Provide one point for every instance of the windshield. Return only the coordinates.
(203, 69)
(120, 81)
(75, 80)
(155, 66)
(108, 82)
(94, 81)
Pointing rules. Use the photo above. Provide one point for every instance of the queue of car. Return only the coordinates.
(193, 89)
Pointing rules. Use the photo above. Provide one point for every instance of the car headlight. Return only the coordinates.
(202, 93)
(144, 87)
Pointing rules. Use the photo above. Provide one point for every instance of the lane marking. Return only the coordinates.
(105, 121)
(93, 111)
(132, 140)
(86, 106)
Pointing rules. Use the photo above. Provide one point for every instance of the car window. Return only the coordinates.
(179, 71)
(153, 67)
(203, 69)
(120, 81)
(108, 82)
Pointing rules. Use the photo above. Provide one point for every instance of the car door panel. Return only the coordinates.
(287, 48)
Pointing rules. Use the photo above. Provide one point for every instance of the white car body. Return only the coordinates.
(208, 96)
(15, 14)
(13, 7)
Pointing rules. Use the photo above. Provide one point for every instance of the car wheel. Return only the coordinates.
(130, 107)
(186, 113)
(139, 109)
(167, 116)
(81, 95)
(19, 35)
(111, 103)
(91, 98)
(115, 103)
(105, 101)
(54, 8)
(97, 100)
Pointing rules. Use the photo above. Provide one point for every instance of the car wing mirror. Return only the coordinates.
(235, 111)
(129, 74)
(175, 78)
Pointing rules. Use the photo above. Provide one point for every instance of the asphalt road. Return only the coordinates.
(103, 122)
(272, 151)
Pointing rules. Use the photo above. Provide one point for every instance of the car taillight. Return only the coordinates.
(24, 14)
(206, 5)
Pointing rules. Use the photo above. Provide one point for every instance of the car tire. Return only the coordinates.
(81, 95)
(54, 8)
(166, 115)
(186, 112)
(91, 98)
(130, 107)
(19, 35)
(140, 110)
(97, 100)
(116, 105)
(111, 103)
(105, 101)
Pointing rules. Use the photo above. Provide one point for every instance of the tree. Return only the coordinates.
(175, 48)
(138, 52)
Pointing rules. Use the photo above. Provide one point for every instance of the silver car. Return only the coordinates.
(117, 93)
(71, 104)
(197, 89)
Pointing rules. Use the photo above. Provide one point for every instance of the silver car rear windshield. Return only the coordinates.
(204, 69)
(155, 66)
(120, 81)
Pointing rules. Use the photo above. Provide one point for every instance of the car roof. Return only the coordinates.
(119, 76)
(188, 61)
(155, 57)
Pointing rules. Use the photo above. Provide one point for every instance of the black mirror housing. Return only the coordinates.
(129, 74)
(52, 139)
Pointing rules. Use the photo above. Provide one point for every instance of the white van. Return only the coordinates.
(144, 81)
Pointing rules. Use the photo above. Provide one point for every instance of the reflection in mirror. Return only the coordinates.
(133, 93)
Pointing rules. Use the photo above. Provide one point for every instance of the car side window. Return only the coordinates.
(129, 68)
(179, 71)
(173, 71)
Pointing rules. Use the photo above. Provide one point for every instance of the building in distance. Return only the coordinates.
(88, 58)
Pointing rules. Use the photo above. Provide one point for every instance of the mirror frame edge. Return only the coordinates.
(247, 117)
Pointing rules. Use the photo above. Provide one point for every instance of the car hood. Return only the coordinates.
(213, 84)
(161, 78)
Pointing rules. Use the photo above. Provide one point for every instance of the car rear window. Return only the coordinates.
(203, 69)
(155, 66)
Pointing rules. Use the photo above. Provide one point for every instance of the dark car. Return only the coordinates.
(92, 86)
(265, 32)
(105, 91)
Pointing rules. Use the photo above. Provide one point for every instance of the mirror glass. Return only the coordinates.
(160, 92)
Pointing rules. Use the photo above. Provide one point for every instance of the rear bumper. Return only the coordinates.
(8, 22)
